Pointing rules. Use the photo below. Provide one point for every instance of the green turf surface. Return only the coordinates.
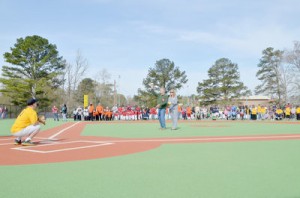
(213, 170)
(263, 169)
(190, 129)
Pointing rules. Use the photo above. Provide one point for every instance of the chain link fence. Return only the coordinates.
(12, 111)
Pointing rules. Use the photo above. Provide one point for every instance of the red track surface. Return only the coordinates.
(68, 145)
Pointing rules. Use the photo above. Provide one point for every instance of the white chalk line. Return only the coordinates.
(42, 138)
(63, 130)
(105, 143)
(3, 144)
(207, 139)
(30, 148)
(7, 139)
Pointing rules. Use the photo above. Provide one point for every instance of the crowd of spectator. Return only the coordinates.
(229, 112)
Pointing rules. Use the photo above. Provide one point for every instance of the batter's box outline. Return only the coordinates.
(30, 148)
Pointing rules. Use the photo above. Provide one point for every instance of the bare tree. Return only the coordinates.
(104, 89)
(292, 58)
(286, 77)
(73, 75)
(104, 76)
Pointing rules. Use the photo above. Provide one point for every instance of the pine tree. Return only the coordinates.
(223, 84)
(33, 72)
(165, 74)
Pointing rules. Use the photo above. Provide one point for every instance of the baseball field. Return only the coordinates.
(202, 159)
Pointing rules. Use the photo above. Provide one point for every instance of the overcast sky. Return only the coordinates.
(127, 37)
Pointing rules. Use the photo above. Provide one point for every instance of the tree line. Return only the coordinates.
(35, 69)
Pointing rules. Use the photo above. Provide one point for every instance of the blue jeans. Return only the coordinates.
(56, 117)
(161, 117)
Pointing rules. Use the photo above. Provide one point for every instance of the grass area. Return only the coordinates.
(263, 169)
(190, 129)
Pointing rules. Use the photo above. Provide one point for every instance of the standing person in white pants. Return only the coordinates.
(173, 108)
(64, 111)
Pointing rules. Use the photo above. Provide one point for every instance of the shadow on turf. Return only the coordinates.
(48, 141)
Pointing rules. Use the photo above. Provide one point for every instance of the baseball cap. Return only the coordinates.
(31, 101)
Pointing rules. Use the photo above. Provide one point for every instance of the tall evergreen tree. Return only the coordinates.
(269, 74)
(163, 74)
(223, 83)
(34, 70)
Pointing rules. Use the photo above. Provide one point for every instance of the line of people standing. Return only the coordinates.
(63, 110)
(92, 113)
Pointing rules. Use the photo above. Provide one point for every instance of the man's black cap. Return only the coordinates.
(31, 101)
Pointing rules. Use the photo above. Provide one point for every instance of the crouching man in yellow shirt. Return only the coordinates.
(26, 124)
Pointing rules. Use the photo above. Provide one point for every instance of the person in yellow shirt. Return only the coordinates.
(263, 112)
(288, 112)
(26, 124)
(298, 112)
(278, 114)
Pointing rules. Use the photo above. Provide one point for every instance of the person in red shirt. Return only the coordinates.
(153, 113)
(138, 112)
(116, 116)
(120, 111)
(123, 117)
(55, 113)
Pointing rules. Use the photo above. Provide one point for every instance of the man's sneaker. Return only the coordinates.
(18, 142)
(27, 143)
